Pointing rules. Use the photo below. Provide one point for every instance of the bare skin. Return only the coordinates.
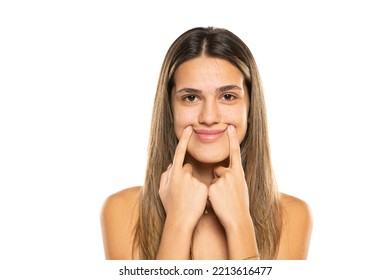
(200, 236)
(210, 105)
(185, 197)
(120, 213)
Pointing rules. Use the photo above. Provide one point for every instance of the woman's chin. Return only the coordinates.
(209, 158)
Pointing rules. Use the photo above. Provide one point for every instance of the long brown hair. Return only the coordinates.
(263, 193)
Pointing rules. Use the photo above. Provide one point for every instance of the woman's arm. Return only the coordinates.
(230, 200)
(184, 199)
(175, 241)
(241, 240)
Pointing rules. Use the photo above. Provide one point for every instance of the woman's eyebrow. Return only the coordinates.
(220, 89)
(228, 87)
(189, 90)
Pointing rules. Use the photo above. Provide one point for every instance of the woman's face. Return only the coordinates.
(209, 94)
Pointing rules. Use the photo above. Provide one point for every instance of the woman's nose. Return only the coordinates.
(209, 113)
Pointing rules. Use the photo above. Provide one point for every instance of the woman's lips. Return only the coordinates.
(209, 135)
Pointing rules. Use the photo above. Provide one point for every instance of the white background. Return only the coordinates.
(77, 82)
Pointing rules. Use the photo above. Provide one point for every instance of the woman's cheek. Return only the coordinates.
(241, 128)
(179, 125)
(242, 133)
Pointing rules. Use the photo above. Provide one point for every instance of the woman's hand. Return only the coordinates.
(228, 193)
(229, 197)
(183, 196)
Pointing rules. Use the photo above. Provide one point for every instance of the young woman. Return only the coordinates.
(209, 191)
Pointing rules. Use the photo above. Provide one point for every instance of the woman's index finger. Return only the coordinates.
(234, 147)
(181, 148)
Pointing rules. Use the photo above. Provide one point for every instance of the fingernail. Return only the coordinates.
(188, 128)
(169, 166)
(231, 127)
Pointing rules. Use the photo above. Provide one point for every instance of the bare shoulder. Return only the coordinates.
(125, 198)
(119, 216)
(297, 228)
(293, 204)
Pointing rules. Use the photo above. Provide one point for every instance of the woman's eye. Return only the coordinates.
(228, 97)
(190, 98)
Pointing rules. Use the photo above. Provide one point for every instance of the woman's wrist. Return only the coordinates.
(243, 222)
(175, 241)
(241, 239)
(179, 224)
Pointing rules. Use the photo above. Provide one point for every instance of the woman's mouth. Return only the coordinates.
(209, 135)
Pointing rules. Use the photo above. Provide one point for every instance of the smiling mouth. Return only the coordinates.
(209, 135)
